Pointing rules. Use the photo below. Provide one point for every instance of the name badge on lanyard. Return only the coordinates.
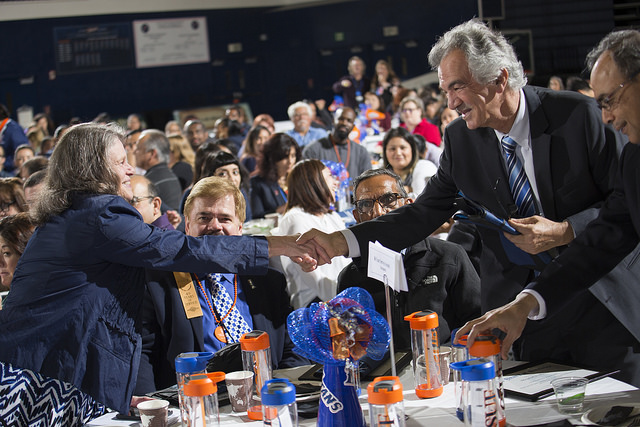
(188, 295)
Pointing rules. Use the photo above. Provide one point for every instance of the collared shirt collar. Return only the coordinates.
(521, 129)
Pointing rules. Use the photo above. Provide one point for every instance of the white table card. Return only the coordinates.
(387, 266)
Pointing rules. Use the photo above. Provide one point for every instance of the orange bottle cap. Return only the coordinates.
(485, 346)
(216, 377)
(427, 393)
(200, 385)
(422, 320)
(254, 341)
(385, 390)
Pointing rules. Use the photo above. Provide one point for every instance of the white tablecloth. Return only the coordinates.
(440, 411)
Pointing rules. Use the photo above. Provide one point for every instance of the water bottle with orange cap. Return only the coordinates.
(425, 348)
(201, 400)
(256, 357)
(386, 404)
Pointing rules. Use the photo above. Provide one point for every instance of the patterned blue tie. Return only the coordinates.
(234, 323)
(520, 188)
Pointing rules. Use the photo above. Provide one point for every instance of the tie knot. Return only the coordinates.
(508, 144)
(215, 278)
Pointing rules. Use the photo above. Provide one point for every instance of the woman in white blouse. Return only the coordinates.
(400, 154)
(310, 205)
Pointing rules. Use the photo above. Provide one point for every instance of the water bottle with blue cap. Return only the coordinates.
(479, 400)
(279, 407)
(187, 365)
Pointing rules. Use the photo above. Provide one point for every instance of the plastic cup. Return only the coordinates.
(570, 394)
(445, 359)
(239, 385)
(154, 413)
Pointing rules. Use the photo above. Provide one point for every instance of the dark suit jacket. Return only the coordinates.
(167, 332)
(440, 278)
(168, 185)
(575, 162)
(613, 236)
(265, 197)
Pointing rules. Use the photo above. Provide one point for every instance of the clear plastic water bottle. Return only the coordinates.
(386, 403)
(201, 402)
(479, 400)
(187, 365)
(488, 347)
(459, 353)
(279, 407)
(256, 357)
(425, 348)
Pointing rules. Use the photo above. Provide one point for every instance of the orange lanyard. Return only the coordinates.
(346, 165)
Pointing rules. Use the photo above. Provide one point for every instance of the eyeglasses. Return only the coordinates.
(4, 206)
(135, 200)
(609, 102)
(387, 201)
(409, 110)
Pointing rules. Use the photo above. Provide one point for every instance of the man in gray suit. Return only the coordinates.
(568, 159)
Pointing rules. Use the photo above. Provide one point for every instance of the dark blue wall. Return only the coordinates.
(287, 66)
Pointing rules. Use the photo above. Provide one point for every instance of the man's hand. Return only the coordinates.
(302, 254)
(539, 234)
(510, 318)
(174, 218)
(327, 246)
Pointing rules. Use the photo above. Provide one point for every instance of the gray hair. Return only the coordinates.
(293, 107)
(158, 141)
(624, 46)
(487, 52)
(377, 172)
(412, 98)
(79, 164)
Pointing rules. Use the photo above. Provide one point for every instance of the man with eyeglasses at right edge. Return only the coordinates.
(569, 160)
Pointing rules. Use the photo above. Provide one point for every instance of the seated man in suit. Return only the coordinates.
(229, 305)
(439, 274)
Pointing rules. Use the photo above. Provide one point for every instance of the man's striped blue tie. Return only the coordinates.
(520, 188)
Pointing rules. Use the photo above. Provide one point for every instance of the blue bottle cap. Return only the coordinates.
(475, 369)
(278, 391)
(187, 363)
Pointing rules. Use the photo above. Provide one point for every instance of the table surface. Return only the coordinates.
(440, 411)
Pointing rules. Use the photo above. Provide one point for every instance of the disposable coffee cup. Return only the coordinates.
(239, 385)
(154, 413)
(445, 359)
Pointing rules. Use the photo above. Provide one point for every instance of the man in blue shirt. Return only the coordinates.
(171, 325)
(300, 114)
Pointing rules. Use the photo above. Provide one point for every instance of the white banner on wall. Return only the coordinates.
(164, 42)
